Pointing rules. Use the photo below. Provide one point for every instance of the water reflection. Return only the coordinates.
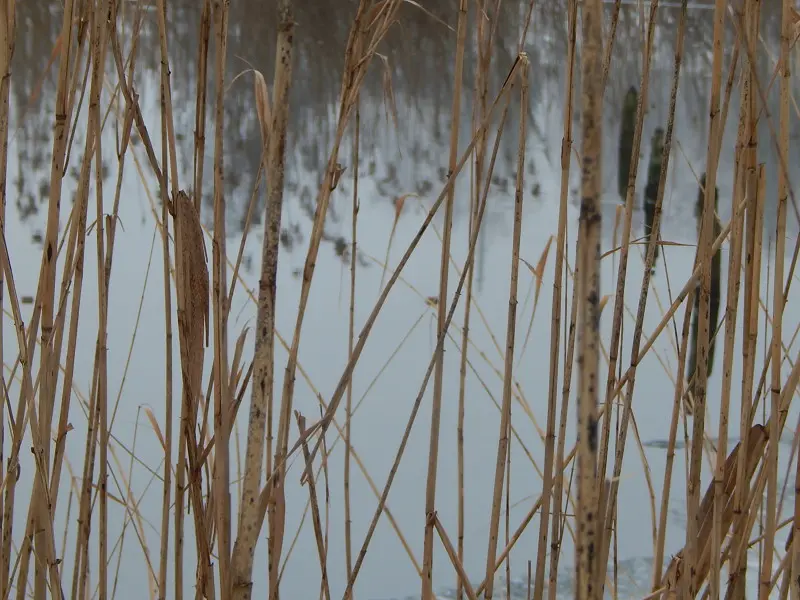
(400, 154)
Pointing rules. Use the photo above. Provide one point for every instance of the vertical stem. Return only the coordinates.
(508, 374)
(588, 539)
(8, 25)
(777, 315)
(555, 342)
(748, 28)
(433, 457)
(264, 359)
(350, 333)
(221, 469)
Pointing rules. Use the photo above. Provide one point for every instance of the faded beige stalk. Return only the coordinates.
(264, 358)
(587, 545)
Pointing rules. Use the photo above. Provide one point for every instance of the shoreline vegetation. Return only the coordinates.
(233, 430)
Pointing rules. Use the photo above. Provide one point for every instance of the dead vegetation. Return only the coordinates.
(229, 450)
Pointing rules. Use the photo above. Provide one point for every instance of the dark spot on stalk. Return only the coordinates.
(49, 251)
(592, 427)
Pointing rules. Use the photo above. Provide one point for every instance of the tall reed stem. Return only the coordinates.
(264, 357)
(433, 455)
(589, 570)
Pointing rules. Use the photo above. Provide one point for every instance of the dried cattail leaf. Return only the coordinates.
(193, 289)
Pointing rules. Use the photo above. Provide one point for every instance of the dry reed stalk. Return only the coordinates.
(658, 561)
(367, 477)
(324, 422)
(433, 455)
(612, 36)
(448, 546)
(192, 294)
(755, 195)
(317, 522)
(778, 299)
(731, 310)
(97, 415)
(220, 484)
(200, 101)
(588, 539)
(566, 151)
(169, 161)
(7, 42)
(669, 314)
(704, 258)
(557, 529)
(361, 48)
(504, 93)
(505, 413)
(107, 11)
(27, 390)
(555, 327)
(112, 221)
(168, 460)
(615, 345)
(476, 178)
(748, 29)
(262, 402)
(621, 436)
(680, 568)
(350, 332)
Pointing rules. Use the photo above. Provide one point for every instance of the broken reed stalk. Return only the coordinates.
(505, 414)
(315, 516)
(264, 354)
(555, 340)
(589, 571)
(436, 410)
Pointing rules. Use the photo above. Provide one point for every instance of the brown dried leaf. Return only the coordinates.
(399, 203)
(262, 106)
(154, 424)
(237, 357)
(193, 290)
(603, 302)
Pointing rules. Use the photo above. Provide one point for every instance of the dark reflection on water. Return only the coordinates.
(402, 156)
